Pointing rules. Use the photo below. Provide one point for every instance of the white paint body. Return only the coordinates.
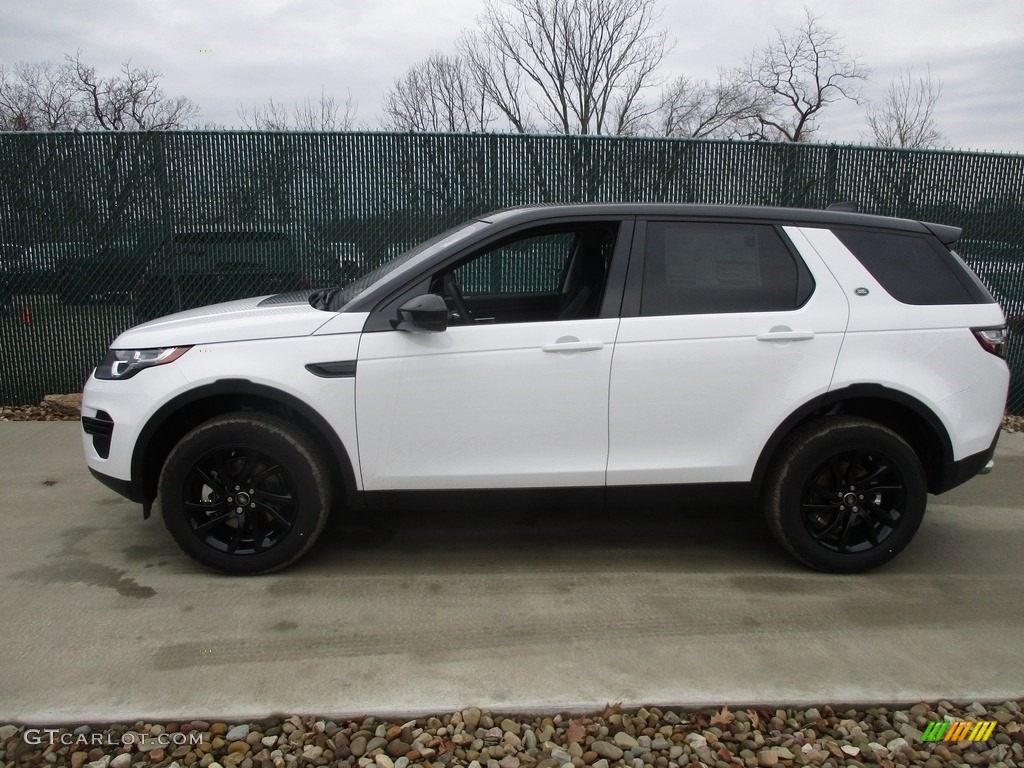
(633, 401)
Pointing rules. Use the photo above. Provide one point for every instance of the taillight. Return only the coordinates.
(993, 340)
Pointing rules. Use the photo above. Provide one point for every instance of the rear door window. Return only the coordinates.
(693, 268)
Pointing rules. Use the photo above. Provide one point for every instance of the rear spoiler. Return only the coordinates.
(947, 234)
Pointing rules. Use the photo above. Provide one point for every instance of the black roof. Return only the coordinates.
(795, 216)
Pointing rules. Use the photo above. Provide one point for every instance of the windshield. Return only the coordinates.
(334, 299)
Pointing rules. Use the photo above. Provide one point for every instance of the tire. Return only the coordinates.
(277, 486)
(845, 495)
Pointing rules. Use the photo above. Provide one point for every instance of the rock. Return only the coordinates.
(835, 749)
(269, 741)
(910, 733)
(6, 731)
(402, 762)
(510, 726)
(217, 729)
(471, 717)
(64, 405)
(529, 739)
(383, 761)
(121, 761)
(624, 740)
(851, 750)
(237, 733)
(767, 758)
(103, 762)
(600, 763)
(695, 740)
(238, 747)
(509, 761)
(604, 749)
(78, 759)
(147, 744)
(397, 748)
(895, 744)
(377, 742)
(358, 746)
(560, 755)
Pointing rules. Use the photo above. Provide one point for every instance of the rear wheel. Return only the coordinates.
(845, 495)
(245, 493)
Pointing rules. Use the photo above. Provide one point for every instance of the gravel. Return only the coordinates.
(650, 737)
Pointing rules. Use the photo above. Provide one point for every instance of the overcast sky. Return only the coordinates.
(224, 54)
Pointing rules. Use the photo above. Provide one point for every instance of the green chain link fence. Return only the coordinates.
(99, 231)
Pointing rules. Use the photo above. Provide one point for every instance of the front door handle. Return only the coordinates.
(572, 344)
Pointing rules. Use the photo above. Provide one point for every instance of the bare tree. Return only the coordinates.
(438, 94)
(704, 109)
(324, 114)
(569, 66)
(800, 74)
(907, 116)
(38, 97)
(46, 96)
(132, 100)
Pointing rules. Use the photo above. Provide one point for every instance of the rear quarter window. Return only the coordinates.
(914, 268)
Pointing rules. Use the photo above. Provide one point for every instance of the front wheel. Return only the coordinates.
(845, 495)
(245, 493)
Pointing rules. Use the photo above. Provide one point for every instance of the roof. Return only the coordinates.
(755, 213)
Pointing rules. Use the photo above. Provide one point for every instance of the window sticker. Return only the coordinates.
(709, 259)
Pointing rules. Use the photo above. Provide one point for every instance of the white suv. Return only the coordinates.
(831, 366)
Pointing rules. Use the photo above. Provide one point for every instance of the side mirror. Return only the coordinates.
(424, 314)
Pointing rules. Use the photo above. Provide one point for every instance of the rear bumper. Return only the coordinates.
(956, 473)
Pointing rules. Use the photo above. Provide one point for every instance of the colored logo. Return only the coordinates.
(958, 730)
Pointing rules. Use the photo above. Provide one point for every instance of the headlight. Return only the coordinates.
(125, 363)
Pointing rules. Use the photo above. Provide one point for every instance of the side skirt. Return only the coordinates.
(586, 498)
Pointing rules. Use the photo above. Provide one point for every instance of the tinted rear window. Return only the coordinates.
(695, 268)
(913, 269)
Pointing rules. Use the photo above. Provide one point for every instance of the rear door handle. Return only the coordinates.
(785, 335)
(573, 345)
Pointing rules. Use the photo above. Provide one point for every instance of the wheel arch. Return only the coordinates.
(902, 413)
(178, 416)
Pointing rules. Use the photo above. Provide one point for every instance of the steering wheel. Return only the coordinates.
(451, 287)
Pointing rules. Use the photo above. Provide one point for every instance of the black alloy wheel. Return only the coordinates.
(845, 494)
(240, 501)
(245, 493)
(854, 501)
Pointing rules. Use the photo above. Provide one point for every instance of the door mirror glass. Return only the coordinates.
(424, 314)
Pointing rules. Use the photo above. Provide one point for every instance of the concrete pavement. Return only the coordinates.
(104, 619)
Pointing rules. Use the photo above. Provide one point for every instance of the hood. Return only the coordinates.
(263, 317)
